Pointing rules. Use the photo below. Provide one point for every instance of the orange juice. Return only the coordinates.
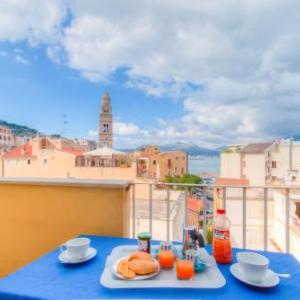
(221, 244)
(184, 269)
(166, 259)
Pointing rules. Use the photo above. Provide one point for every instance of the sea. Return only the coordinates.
(204, 164)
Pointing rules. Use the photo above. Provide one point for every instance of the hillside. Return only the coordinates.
(191, 148)
(20, 130)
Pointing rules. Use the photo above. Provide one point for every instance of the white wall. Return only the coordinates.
(254, 169)
(230, 165)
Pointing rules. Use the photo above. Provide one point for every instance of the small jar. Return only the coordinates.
(144, 241)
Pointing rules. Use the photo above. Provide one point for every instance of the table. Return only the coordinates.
(47, 278)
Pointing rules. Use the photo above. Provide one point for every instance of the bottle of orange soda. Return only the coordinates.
(221, 244)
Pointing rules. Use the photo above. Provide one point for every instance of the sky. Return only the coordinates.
(209, 72)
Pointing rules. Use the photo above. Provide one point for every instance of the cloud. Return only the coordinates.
(32, 20)
(93, 134)
(125, 129)
(21, 60)
(234, 65)
(3, 53)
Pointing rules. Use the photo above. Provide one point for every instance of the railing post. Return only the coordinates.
(244, 217)
(265, 219)
(204, 215)
(168, 213)
(133, 210)
(185, 206)
(150, 208)
(224, 197)
(287, 221)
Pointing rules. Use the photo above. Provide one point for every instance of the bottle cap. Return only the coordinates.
(221, 211)
(144, 235)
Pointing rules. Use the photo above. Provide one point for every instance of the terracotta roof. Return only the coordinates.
(256, 148)
(19, 152)
(194, 204)
(75, 152)
(232, 181)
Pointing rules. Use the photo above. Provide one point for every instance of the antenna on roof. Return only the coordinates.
(64, 124)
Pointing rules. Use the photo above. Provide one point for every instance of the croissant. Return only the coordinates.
(140, 255)
(142, 267)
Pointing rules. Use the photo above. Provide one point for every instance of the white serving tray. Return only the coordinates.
(211, 278)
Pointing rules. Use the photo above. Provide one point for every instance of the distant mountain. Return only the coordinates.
(221, 149)
(20, 130)
(190, 148)
(296, 137)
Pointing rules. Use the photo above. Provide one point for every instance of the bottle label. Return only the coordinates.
(143, 245)
(221, 234)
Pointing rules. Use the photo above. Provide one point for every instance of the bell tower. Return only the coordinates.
(105, 123)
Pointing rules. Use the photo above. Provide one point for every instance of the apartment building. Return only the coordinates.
(262, 163)
(7, 138)
(157, 165)
(40, 158)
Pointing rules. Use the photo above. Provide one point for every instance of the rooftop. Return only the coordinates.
(256, 148)
(19, 152)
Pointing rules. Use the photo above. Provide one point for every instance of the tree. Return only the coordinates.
(186, 178)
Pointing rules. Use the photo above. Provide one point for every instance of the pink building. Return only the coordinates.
(7, 138)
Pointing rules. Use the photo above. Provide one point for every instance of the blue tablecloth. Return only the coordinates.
(47, 278)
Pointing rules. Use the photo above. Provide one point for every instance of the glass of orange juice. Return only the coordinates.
(166, 259)
(184, 269)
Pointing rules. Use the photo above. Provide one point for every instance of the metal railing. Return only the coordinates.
(185, 190)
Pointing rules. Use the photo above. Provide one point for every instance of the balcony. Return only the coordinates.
(37, 215)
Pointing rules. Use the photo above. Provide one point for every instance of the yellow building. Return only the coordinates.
(154, 164)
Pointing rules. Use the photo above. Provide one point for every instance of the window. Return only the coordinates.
(43, 144)
(297, 212)
(105, 128)
(182, 171)
(28, 162)
(274, 178)
(0, 137)
(154, 162)
(45, 161)
(176, 157)
(169, 163)
(273, 164)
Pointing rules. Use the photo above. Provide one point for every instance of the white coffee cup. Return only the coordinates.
(76, 248)
(254, 266)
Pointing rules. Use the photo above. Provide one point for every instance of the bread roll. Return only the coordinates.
(142, 267)
(140, 255)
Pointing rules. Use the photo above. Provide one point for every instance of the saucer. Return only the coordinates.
(66, 259)
(269, 281)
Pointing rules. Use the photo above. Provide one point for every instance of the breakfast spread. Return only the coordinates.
(140, 264)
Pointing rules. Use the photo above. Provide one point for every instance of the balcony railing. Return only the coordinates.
(264, 195)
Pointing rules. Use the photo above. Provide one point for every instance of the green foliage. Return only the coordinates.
(186, 178)
(55, 136)
(19, 129)
(228, 150)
